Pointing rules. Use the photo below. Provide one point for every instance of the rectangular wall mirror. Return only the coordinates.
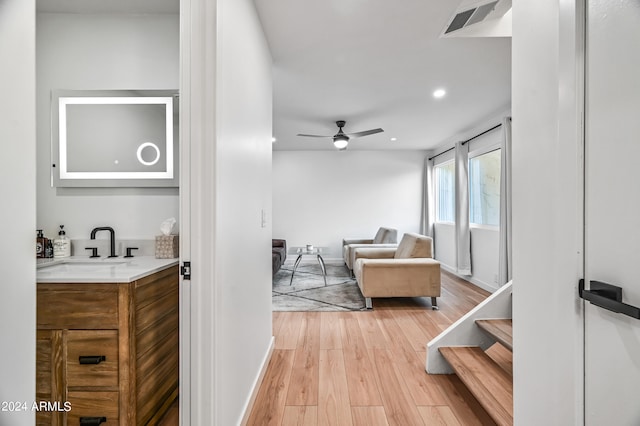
(114, 138)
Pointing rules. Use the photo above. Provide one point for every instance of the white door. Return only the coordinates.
(612, 236)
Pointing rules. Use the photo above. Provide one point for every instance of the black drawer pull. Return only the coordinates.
(92, 359)
(92, 421)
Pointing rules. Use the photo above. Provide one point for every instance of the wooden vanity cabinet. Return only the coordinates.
(110, 350)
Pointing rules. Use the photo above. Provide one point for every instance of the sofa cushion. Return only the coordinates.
(414, 246)
(386, 235)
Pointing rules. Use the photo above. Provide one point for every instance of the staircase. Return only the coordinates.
(488, 381)
(478, 348)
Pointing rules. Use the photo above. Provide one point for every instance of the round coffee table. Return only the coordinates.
(304, 251)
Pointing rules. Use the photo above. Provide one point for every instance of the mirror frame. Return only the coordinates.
(62, 177)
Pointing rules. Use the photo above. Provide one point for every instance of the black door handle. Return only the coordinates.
(607, 296)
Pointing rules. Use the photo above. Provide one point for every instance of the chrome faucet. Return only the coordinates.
(112, 236)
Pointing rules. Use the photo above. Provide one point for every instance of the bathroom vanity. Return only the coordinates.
(107, 340)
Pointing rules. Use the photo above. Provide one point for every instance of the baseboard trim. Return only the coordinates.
(256, 385)
(472, 280)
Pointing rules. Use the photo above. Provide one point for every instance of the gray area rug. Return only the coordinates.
(308, 292)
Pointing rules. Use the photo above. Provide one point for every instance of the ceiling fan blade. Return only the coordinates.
(314, 136)
(364, 133)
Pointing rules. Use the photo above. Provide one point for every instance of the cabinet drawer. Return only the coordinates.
(77, 306)
(93, 404)
(92, 358)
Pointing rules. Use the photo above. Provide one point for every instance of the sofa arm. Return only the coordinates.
(407, 263)
(280, 243)
(350, 250)
(377, 252)
(347, 241)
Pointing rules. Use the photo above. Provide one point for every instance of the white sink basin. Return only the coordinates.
(78, 267)
(83, 269)
(96, 261)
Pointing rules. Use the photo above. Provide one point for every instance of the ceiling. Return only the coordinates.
(376, 63)
(373, 63)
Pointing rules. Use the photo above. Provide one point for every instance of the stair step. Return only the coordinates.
(500, 329)
(490, 384)
(501, 356)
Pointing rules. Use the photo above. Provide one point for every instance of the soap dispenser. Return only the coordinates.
(41, 244)
(62, 244)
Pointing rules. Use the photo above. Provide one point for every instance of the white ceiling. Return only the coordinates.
(376, 63)
(373, 63)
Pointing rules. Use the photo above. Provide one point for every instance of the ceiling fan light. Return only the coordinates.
(340, 142)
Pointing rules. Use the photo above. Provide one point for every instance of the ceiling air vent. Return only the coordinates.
(459, 20)
(470, 17)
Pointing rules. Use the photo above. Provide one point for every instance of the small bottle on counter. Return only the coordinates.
(62, 244)
(41, 244)
(48, 251)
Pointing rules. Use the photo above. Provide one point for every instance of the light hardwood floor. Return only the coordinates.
(367, 368)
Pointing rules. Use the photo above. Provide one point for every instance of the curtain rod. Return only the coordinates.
(468, 140)
(480, 134)
(443, 152)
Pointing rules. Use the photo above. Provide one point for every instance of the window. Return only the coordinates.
(445, 191)
(484, 189)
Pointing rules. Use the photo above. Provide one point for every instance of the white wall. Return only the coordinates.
(81, 51)
(243, 190)
(320, 197)
(485, 246)
(17, 192)
(547, 246)
(484, 253)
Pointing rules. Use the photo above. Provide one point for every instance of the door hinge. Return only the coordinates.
(185, 270)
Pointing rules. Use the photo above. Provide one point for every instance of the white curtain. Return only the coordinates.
(463, 234)
(428, 205)
(505, 265)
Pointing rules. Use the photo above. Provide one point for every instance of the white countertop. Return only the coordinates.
(83, 269)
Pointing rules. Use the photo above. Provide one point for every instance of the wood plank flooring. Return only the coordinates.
(367, 368)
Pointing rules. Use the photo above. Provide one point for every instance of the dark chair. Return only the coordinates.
(278, 254)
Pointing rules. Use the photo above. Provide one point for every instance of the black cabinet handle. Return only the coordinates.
(607, 296)
(92, 421)
(92, 359)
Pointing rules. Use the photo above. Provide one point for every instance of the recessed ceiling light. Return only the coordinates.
(394, 139)
(439, 93)
(273, 140)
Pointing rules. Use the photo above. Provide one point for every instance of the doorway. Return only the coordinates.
(92, 45)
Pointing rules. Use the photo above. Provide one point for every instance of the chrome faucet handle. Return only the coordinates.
(129, 251)
(94, 251)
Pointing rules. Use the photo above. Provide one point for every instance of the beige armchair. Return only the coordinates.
(406, 271)
(385, 237)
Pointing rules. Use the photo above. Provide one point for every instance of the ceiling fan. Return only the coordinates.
(341, 139)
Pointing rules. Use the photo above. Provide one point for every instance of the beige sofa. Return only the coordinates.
(385, 237)
(406, 271)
